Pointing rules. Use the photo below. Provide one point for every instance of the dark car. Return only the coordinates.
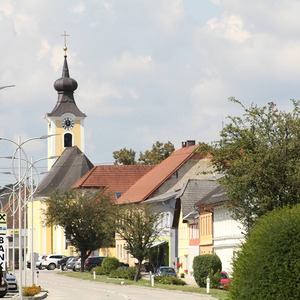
(3, 289)
(62, 263)
(92, 262)
(224, 281)
(71, 263)
(164, 271)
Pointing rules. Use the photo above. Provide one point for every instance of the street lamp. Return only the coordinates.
(6, 86)
(30, 199)
(20, 150)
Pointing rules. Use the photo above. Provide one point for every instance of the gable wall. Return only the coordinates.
(194, 168)
(227, 236)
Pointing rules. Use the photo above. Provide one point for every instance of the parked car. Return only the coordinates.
(12, 284)
(122, 264)
(77, 265)
(224, 281)
(62, 263)
(38, 263)
(92, 262)
(71, 263)
(3, 289)
(164, 270)
(50, 261)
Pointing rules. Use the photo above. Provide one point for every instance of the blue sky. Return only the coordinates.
(147, 70)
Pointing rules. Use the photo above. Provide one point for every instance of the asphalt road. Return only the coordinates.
(62, 287)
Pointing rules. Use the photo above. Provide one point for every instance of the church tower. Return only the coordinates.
(65, 121)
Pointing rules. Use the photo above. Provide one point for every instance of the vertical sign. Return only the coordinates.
(3, 230)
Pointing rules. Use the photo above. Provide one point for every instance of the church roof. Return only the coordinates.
(67, 169)
(65, 87)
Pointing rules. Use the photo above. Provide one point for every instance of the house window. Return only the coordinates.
(68, 140)
(194, 231)
(118, 195)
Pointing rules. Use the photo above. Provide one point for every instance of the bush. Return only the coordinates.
(121, 272)
(268, 264)
(109, 264)
(31, 290)
(204, 265)
(167, 279)
(98, 270)
(131, 273)
(214, 279)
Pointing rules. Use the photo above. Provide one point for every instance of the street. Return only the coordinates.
(63, 287)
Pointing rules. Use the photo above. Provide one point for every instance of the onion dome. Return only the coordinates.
(65, 83)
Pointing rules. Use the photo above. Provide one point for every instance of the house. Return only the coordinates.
(160, 185)
(227, 233)
(115, 180)
(180, 222)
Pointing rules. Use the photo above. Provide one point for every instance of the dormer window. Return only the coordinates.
(118, 195)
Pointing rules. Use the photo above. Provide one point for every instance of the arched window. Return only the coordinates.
(68, 140)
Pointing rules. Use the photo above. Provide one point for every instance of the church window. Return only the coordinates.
(68, 140)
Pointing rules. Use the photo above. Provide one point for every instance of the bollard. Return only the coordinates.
(94, 274)
(37, 278)
(207, 284)
(152, 280)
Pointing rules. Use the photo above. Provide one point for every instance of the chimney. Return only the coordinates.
(188, 143)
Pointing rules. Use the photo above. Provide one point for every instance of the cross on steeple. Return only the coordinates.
(65, 40)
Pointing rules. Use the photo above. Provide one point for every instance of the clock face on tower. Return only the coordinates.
(68, 123)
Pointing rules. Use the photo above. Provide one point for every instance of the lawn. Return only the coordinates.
(218, 294)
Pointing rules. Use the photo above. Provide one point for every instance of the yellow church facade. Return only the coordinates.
(65, 125)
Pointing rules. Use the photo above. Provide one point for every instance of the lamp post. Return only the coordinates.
(20, 150)
(30, 199)
(6, 86)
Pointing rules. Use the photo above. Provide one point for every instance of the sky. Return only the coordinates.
(147, 70)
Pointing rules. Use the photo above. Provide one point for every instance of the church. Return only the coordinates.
(71, 169)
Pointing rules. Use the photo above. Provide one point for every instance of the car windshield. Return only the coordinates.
(169, 270)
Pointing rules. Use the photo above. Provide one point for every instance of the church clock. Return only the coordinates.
(68, 123)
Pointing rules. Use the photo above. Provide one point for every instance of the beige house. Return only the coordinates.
(161, 185)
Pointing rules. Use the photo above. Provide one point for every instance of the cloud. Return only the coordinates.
(79, 8)
(230, 27)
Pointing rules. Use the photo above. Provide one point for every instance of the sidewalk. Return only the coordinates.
(190, 280)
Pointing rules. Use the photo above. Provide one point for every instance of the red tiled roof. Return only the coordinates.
(147, 184)
(116, 178)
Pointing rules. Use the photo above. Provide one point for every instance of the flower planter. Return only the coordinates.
(41, 295)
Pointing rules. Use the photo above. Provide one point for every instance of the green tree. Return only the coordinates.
(268, 264)
(124, 157)
(138, 226)
(157, 154)
(85, 217)
(260, 159)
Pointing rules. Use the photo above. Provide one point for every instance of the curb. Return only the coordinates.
(41, 295)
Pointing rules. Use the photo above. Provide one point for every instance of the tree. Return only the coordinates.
(85, 217)
(260, 159)
(138, 226)
(124, 157)
(267, 265)
(157, 154)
